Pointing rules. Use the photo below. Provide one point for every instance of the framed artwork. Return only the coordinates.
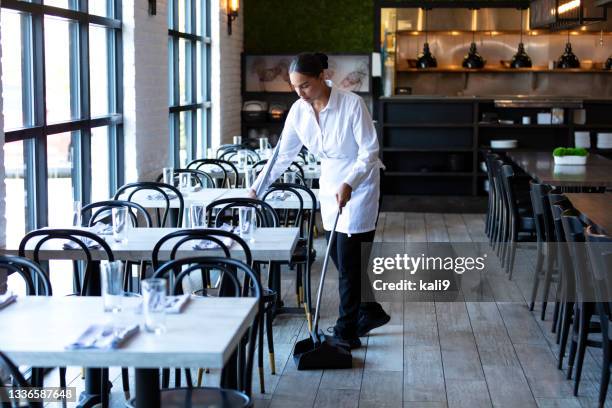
(270, 73)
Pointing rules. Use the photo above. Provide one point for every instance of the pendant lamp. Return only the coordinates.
(426, 58)
(568, 59)
(521, 59)
(473, 60)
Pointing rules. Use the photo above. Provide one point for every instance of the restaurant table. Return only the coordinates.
(268, 244)
(290, 202)
(38, 329)
(594, 209)
(541, 166)
(208, 195)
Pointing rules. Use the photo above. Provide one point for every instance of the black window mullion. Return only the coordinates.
(37, 186)
(83, 62)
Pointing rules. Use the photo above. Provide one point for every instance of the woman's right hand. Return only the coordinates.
(251, 194)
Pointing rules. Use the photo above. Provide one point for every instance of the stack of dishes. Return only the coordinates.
(582, 139)
(604, 140)
(504, 144)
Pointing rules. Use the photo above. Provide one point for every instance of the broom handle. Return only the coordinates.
(315, 328)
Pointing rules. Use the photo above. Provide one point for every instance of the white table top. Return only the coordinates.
(37, 329)
(290, 202)
(270, 244)
(208, 195)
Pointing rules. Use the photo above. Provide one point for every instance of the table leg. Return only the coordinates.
(147, 388)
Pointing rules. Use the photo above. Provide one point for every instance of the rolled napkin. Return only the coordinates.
(173, 304)
(7, 299)
(160, 196)
(101, 228)
(206, 244)
(278, 196)
(104, 337)
(88, 242)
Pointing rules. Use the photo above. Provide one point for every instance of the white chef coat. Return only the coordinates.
(345, 141)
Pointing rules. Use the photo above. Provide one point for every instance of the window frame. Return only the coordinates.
(197, 94)
(34, 96)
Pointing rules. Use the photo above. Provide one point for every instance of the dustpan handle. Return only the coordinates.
(315, 327)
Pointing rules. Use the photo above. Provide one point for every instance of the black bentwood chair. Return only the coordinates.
(216, 167)
(156, 190)
(237, 373)
(225, 211)
(36, 283)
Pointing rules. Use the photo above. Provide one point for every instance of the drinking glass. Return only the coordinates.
(185, 182)
(242, 159)
(197, 216)
(168, 174)
(248, 221)
(263, 143)
(77, 218)
(154, 305)
(289, 177)
(237, 140)
(112, 275)
(120, 224)
(250, 175)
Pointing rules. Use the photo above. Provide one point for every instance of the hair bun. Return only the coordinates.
(323, 58)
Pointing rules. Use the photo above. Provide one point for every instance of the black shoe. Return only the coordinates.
(371, 321)
(353, 342)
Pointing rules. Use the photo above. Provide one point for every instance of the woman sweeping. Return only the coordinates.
(335, 125)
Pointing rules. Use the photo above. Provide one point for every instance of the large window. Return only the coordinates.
(62, 105)
(189, 68)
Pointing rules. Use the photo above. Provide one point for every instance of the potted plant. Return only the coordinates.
(570, 156)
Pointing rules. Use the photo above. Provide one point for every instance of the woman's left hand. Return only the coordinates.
(343, 195)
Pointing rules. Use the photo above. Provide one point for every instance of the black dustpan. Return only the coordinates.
(320, 351)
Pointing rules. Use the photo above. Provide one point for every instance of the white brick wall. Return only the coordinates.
(2, 183)
(145, 79)
(226, 97)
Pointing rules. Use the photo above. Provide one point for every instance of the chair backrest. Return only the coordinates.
(198, 177)
(573, 228)
(211, 166)
(189, 235)
(227, 148)
(101, 212)
(160, 188)
(541, 210)
(294, 167)
(266, 215)
(561, 251)
(36, 280)
(599, 248)
(249, 287)
(252, 156)
(79, 238)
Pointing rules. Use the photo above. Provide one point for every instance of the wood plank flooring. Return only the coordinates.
(432, 353)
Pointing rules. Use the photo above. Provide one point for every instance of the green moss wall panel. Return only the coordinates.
(291, 26)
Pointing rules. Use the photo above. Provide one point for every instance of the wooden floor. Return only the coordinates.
(431, 354)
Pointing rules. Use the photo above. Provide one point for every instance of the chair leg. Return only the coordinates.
(177, 377)
(165, 378)
(260, 364)
(298, 285)
(200, 375)
(555, 319)
(188, 378)
(270, 338)
(125, 381)
(566, 321)
(574, 344)
(104, 388)
(585, 317)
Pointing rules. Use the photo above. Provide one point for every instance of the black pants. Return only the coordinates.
(346, 255)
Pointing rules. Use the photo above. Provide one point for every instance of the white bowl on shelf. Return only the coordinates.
(570, 160)
(504, 144)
